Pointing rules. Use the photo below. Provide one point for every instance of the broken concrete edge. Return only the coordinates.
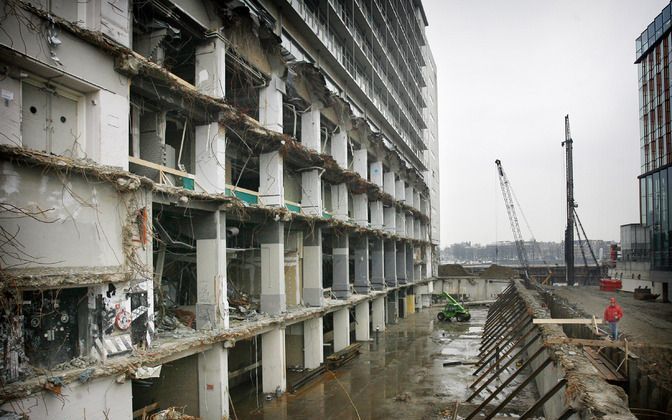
(132, 64)
(165, 349)
(586, 391)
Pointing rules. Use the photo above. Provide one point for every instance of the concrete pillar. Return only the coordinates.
(210, 66)
(400, 190)
(271, 181)
(378, 314)
(341, 281)
(341, 329)
(270, 104)
(213, 383)
(313, 343)
(416, 200)
(360, 209)
(362, 265)
(212, 309)
(339, 201)
(376, 173)
(272, 239)
(360, 162)
(339, 146)
(377, 212)
(401, 263)
(362, 330)
(409, 195)
(392, 307)
(311, 192)
(273, 365)
(377, 265)
(389, 183)
(210, 150)
(428, 261)
(418, 291)
(401, 304)
(410, 227)
(310, 128)
(410, 272)
(390, 264)
(390, 219)
(416, 228)
(312, 267)
(400, 223)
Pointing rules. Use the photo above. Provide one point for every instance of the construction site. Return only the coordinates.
(231, 209)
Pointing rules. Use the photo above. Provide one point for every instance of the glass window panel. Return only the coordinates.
(642, 200)
(649, 200)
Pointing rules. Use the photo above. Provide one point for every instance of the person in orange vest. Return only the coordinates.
(612, 314)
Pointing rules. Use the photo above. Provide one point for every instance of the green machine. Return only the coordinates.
(453, 309)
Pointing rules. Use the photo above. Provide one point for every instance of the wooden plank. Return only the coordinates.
(145, 410)
(161, 168)
(604, 367)
(586, 321)
(601, 343)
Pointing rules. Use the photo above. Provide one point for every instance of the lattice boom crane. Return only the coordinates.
(513, 219)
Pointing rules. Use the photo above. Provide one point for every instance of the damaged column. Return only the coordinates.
(311, 182)
(271, 181)
(377, 264)
(312, 267)
(313, 343)
(341, 329)
(401, 262)
(390, 263)
(362, 330)
(210, 144)
(360, 202)
(361, 245)
(273, 364)
(410, 272)
(341, 272)
(339, 192)
(378, 314)
(271, 237)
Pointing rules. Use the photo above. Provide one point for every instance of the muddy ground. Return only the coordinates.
(400, 376)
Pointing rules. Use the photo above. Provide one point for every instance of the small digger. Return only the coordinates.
(453, 309)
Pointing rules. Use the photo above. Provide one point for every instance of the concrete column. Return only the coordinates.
(377, 218)
(390, 264)
(210, 66)
(313, 343)
(341, 281)
(270, 104)
(401, 263)
(362, 265)
(212, 309)
(271, 181)
(210, 159)
(360, 162)
(378, 314)
(362, 330)
(341, 329)
(339, 201)
(428, 261)
(410, 273)
(419, 291)
(400, 190)
(392, 307)
(401, 223)
(310, 128)
(339, 146)
(389, 183)
(311, 193)
(410, 227)
(273, 365)
(272, 239)
(377, 265)
(416, 228)
(360, 209)
(312, 267)
(213, 383)
(409, 195)
(376, 173)
(416, 200)
(401, 307)
(390, 219)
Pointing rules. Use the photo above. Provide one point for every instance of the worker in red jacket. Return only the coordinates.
(612, 314)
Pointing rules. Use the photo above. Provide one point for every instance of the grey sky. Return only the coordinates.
(508, 72)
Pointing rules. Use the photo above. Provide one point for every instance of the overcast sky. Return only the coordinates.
(508, 72)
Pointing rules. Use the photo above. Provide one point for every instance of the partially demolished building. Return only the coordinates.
(196, 194)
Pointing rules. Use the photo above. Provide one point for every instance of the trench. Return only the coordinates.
(647, 381)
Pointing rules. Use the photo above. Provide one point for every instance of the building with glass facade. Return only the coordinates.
(653, 55)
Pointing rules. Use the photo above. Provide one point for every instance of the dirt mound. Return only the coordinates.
(453, 270)
(498, 272)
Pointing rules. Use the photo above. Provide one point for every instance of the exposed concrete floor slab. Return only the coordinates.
(400, 376)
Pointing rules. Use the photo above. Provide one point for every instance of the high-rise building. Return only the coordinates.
(207, 187)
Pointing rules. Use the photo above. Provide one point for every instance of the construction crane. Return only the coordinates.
(513, 219)
(569, 230)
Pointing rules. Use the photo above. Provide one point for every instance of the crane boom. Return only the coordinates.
(513, 219)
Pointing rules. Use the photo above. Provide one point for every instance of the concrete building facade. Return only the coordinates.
(196, 193)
